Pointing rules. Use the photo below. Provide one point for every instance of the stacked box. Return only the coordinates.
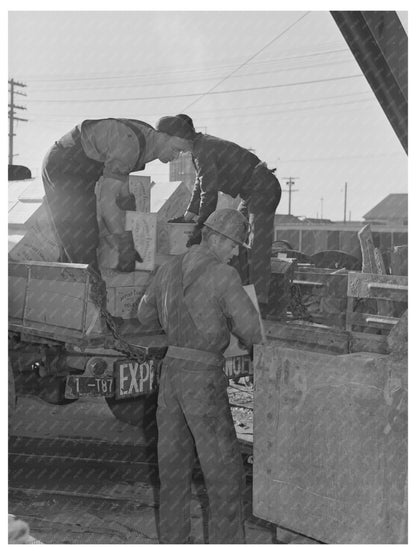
(139, 186)
(172, 238)
(124, 291)
(143, 228)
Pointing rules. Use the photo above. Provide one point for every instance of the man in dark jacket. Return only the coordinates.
(198, 300)
(107, 150)
(225, 166)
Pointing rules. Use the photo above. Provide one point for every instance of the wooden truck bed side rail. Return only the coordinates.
(53, 299)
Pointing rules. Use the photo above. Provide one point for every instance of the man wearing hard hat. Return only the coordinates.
(198, 300)
(225, 166)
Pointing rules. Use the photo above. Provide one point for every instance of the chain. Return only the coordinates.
(99, 298)
(297, 307)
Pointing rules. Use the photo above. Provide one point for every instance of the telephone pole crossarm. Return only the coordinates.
(12, 114)
(290, 182)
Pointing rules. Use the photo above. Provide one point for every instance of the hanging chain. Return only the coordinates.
(99, 298)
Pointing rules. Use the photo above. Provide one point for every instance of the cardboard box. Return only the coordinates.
(143, 228)
(139, 186)
(172, 238)
(123, 301)
(113, 278)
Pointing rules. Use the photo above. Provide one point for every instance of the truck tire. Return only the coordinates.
(138, 411)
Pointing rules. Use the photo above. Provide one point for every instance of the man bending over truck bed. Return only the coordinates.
(109, 149)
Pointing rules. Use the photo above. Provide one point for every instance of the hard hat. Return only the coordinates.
(177, 126)
(231, 223)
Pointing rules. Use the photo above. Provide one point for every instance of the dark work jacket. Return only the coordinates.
(221, 166)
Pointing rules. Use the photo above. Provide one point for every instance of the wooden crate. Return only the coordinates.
(386, 295)
(330, 444)
(324, 293)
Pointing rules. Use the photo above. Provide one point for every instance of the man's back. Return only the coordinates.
(214, 300)
(233, 163)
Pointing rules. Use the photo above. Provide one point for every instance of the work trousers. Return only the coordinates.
(193, 412)
(260, 199)
(73, 207)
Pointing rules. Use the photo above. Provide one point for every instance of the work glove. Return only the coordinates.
(196, 236)
(128, 256)
(179, 220)
(126, 203)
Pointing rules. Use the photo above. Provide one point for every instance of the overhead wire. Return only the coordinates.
(211, 90)
(242, 76)
(129, 75)
(182, 95)
(48, 115)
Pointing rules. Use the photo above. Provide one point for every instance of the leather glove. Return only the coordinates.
(179, 220)
(127, 253)
(126, 203)
(196, 236)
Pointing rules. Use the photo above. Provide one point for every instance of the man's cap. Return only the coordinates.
(177, 126)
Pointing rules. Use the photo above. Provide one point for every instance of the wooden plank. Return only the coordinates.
(358, 284)
(371, 321)
(388, 291)
(371, 263)
(388, 320)
(334, 285)
(368, 343)
(330, 444)
(307, 337)
(303, 282)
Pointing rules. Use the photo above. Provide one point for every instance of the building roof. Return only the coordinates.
(24, 198)
(21, 212)
(286, 219)
(393, 207)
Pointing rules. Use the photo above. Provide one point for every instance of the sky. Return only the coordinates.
(283, 83)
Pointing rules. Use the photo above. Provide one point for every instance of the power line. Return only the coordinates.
(66, 115)
(12, 114)
(242, 76)
(330, 158)
(129, 75)
(210, 91)
(282, 85)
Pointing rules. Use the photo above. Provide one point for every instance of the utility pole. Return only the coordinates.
(345, 202)
(322, 208)
(290, 182)
(12, 114)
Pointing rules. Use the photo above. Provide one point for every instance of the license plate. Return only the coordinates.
(133, 379)
(88, 386)
(238, 367)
